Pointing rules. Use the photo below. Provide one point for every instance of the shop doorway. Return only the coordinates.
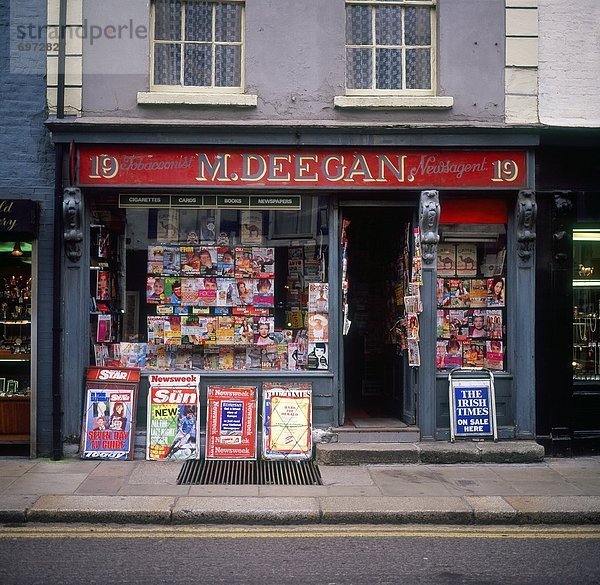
(377, 388)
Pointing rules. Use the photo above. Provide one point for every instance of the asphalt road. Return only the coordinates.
(411, 555)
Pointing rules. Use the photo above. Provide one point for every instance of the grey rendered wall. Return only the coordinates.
(27, 172)
(295, 64)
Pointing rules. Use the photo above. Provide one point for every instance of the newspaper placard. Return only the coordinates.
(173, 422)
(287, 421)
(109, 413)
(231, 419)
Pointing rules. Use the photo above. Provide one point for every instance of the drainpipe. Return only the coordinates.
(57, 331)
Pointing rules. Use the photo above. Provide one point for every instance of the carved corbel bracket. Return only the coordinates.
(72, 217)
(526, 216)
(429, 218)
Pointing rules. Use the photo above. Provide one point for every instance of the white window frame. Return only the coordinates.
(213, 89)
(373, 46)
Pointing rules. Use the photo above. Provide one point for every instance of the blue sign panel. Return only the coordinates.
(231, 417)
(472, 409)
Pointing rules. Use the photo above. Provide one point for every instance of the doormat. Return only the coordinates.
(211, 472)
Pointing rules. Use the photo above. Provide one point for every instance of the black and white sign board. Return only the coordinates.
(472, 403)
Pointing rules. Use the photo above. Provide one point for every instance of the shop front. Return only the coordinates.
(18, 294)
(311, 266)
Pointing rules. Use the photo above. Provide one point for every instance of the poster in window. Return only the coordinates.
(173, 421)
(446, 260)
(287, 421)
(466, 260)
(251, 227)
(167, 225)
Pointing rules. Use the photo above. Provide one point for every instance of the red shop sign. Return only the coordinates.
(125, 166)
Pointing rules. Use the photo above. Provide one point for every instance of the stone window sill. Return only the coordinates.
(197, 99)
(394, 102)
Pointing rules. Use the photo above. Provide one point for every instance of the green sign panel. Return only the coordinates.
(292, 202)
(187, 201)
(276, 202)
(144, 201)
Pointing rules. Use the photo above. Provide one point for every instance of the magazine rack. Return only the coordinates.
(472, 403)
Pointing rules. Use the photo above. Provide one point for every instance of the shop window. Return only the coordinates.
(586, 304)
(224, 289)
(197, 45)
(471, 296)
(390, 47)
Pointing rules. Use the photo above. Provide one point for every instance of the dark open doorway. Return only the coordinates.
(374, 368)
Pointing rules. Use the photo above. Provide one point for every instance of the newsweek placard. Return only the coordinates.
(173, 422)
(109, 413)
(287, 421)
(231, 420)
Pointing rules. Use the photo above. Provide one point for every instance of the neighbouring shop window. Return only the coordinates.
(197, 44)
(223, 289)
(471, 297)
(389, 46)
(586, 304)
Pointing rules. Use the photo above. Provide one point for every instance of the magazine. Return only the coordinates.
(473, 353)
(494, 355)
(104, 329)
(460, 294)
(494, 325)
(226, 261)
(496, 288)
(155, 259)
(479, 292)
(190, 260)
(172, 329)
(133, 355)
(453, 354)
(263, 296)
(208, 257)
(207, 291)
(263, 262)
(243, 330)
(225, 330)
(318, 327)
(171, 260)
(318, 356)
(190, 330)
(243, 262)
(189, 291)
(155, 327)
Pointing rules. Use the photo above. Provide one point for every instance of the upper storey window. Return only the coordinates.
(390, 47)
(198, 45)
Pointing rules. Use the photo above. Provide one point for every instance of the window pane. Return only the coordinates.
(358, 25)
(418, 26)
(359, 68)
(388, 25)
(167, 64)
(227, 66)
(198, 21)
(228, 23)
(389, 69)
(418, 69)
(167, 20)
(198, 64)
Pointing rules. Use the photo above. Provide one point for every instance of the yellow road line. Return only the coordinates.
(214, 532)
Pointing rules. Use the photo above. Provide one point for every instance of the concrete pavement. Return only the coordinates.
(565, 491)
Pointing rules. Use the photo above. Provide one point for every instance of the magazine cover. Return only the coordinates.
(226, 261)
(263, 262)
(171, 260)
(477, 325)
(225, 330)
(264, 294)
(109, 413)
(494, 324)
(167, 225)
(244, 292)
(208, 257)
(269, 357)
(479, 292)
(318, 327)
(133, 355)
(263, 330)
(211, 357)
(172, 329)
(440, 354)
(453, 354)
(155, 327)
(412, 326)
(414, 354)
(318, 356)
(243, 262)
(253, 357)
(104, 329)
(473, 353)
(227, 294)
(251, 227)
(173, 423)
(459, 289)
(466, 259)
(155, 290)
(190, 260)
(155, 259)
(189, 291)
(172, 290)
(243, 330)
(318, 297)
(231, 422)
(103, 285)
(443, 324)
(190, 330)
(226, 357)
(494, 355)
(446, 260)
(496, 287)
(287, 421)
(459, 324)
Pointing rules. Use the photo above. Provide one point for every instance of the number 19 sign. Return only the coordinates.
(472, 404)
